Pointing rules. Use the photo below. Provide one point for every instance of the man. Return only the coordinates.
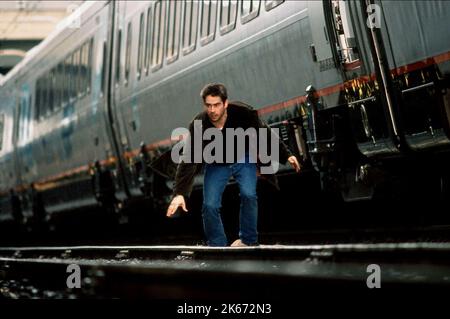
(221, 115)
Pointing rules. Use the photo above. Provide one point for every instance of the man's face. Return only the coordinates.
(215, 108)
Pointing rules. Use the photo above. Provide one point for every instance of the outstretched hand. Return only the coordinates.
(176, 202)
(294, 163)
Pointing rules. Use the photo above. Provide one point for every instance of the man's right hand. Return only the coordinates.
(176, 202)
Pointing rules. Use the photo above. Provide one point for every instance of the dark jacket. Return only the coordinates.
(185, 172)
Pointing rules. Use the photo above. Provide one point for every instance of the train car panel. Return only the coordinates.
(66, 130)
(418, 57)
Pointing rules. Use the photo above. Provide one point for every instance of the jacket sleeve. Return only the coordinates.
(186, 169)
(184, 179)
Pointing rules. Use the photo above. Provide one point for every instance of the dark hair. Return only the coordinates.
(214, 89)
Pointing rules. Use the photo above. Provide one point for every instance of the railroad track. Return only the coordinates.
(267, 271)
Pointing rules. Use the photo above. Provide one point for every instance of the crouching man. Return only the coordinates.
(219, 117)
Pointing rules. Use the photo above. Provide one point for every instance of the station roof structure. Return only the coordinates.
(24, 24)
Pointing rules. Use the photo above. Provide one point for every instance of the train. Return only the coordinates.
(359, 89)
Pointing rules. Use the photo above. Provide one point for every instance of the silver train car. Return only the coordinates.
(359, 89)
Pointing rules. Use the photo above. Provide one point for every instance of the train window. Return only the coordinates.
(208, 22)
(80, 67)
(72, 77)
(148, 39)
(103, 78)
(55, 88)
(24, 115)
(76, 73)
(89, 64)
(37, 100)
(249, 10)
(140, 45)
(59, 84)
(119, 47)
(159, 18)
(173, 32)
(270, 4)
(228, 15)
(190, 26)
(84, 67)
(66, 89)
(49, 97)
(81, 72)
(2, 124)
(128, 52)
(44, 96)
(51, 90)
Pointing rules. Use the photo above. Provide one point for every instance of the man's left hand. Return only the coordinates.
(294, 163)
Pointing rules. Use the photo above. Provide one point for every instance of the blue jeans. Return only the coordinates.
(216, 178)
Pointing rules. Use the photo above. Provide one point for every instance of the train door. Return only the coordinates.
(124, 36)
(417, 42)
(121, 36)
(372, 116)
(115, 58)
(125, 87)
(128, 17)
